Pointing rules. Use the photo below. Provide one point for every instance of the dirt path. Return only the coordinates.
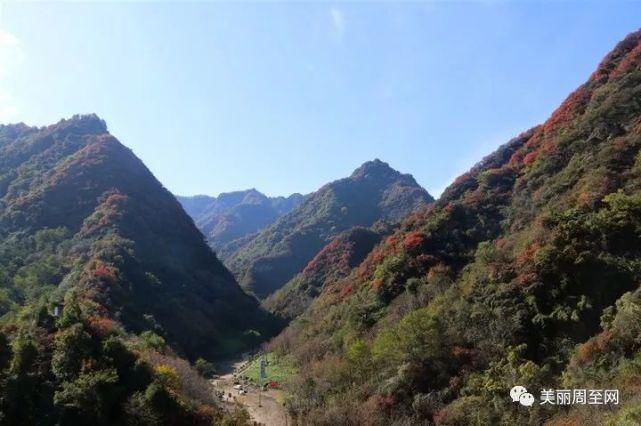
(269, 413)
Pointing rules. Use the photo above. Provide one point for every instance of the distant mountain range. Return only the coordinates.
(374, 192)
(235, 215)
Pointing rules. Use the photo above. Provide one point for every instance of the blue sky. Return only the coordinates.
(285, 97)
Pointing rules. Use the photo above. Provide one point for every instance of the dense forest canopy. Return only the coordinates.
(104, 280)
(525, 272)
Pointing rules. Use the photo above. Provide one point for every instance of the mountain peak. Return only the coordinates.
(238, 196)
(83, 123)
(374, 167)
(82, 181)
(380, 171)
(373, 192)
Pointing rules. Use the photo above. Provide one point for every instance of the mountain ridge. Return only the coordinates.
(333, 262)
(527, 267)
(87, 187)
(106, 286)
(235, 215)
(373, 192)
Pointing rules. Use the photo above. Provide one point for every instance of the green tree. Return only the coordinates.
(205, 368)
(152, 340)
(71, 347)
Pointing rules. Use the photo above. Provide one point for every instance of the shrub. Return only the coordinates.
(152, 340)
(166, 375)
(205, 368)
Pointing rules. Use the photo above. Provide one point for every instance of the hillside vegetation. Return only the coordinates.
(104, 282)
(526, 271)
(373, 192)
(333, 262)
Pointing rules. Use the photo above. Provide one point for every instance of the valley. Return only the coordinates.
(365, 301)
(267, 409)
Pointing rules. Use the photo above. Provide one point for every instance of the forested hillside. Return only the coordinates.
(333, 262)
(104, 280)
(235, 215)
(526, 271)
(373, 192)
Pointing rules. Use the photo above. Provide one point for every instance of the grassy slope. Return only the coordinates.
(279, 368)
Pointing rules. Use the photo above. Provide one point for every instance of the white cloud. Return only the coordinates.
(339, 25)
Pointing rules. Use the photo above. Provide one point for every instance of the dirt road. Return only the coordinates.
(269, 413)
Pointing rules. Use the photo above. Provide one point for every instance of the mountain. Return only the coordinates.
(525, 272)
(373, 192)
(104, 280)
(235, 215)
(333, 262)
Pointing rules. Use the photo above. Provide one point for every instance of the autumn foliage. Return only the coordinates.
(527, 267)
